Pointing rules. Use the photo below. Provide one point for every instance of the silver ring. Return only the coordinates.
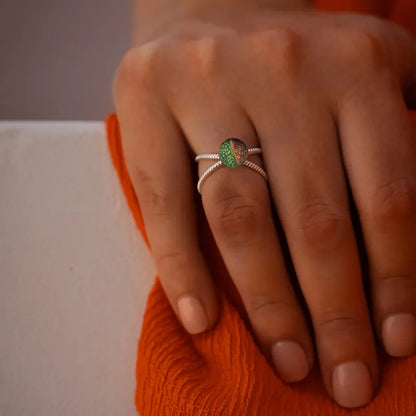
(232, 153)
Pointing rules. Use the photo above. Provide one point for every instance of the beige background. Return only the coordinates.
(57, 57)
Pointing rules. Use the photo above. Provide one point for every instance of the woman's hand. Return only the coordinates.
(322, 94)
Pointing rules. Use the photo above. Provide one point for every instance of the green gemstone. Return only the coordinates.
(233, 152)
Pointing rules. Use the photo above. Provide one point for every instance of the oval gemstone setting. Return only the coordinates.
(233, 152)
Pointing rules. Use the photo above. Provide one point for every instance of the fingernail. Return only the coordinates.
(399, 334)
(352, 385)
(290, 361)
(192, 314)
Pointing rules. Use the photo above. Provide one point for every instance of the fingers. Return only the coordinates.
(238, 209)
(379, 147)
(309, 189)
(159, 167)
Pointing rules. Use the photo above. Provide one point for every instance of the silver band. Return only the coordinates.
(218, 164)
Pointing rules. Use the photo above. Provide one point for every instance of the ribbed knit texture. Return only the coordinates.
(222, 372)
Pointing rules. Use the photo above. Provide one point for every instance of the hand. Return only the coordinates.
(324, 96)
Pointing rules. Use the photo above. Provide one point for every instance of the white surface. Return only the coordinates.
(75, 274)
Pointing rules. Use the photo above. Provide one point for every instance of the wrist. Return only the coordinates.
(150, 17)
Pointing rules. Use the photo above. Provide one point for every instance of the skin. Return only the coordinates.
(325, 96)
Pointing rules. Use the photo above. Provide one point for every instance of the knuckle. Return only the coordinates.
(406, 280)
(207, 55)
(321, 224)
(172, 259)
(155, 200)
(275, 40)
(266, 304)
(237, 218)
(394, 292)
(362, 51)
(277, 49)
(126, 73)
(393, 201)
(336, 323)
(395, 284)
(138, 66)
(158, 202)
(129, 64)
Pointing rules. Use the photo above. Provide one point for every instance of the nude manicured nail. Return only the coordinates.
(192, 314)
(352, 385)
(399, 334)
(290, 361)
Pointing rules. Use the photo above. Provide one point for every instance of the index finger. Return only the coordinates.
(157, 160)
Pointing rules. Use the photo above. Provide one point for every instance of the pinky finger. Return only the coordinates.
(159, 166)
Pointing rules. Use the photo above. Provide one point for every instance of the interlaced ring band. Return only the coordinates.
(231, 153)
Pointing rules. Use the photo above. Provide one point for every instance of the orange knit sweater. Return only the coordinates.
(222, 372)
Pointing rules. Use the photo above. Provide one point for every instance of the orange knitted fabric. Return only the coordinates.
(222, 372)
